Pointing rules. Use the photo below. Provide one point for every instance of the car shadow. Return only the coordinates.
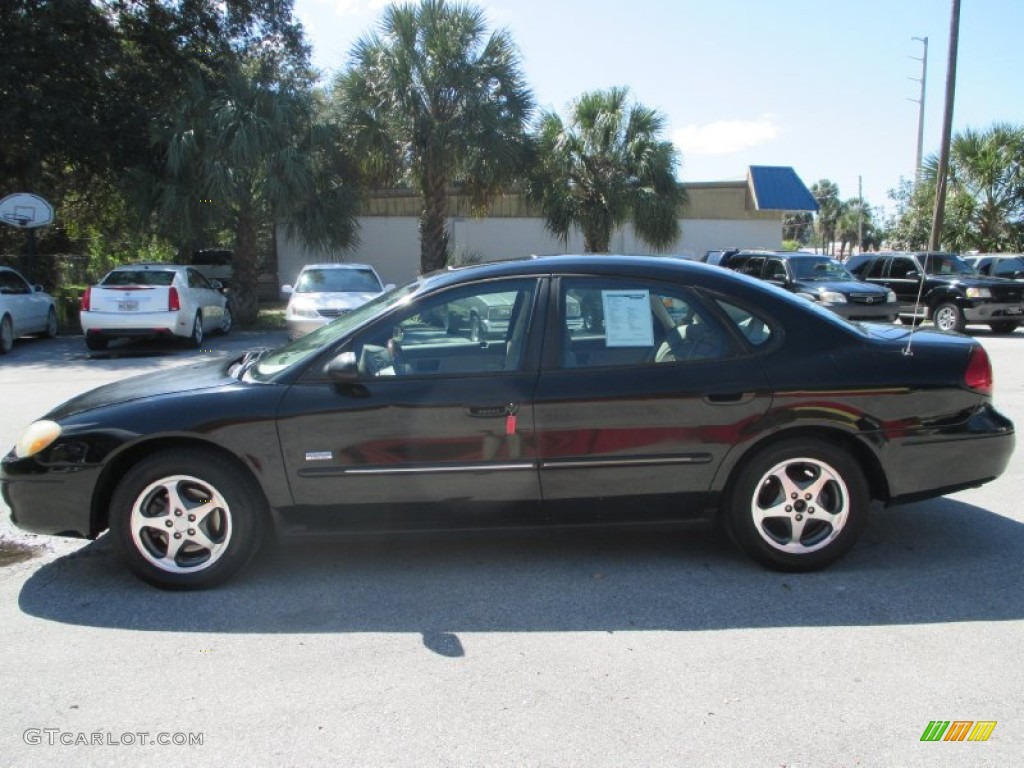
(936, 561)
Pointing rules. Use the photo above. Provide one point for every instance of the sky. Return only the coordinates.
(829, 87)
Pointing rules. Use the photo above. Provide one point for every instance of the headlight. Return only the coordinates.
(831, 297)
(302, 310)
(890, 297)
(37, 437)
(979, 293)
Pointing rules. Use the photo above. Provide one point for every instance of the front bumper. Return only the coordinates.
(993, 311)
(49, 501)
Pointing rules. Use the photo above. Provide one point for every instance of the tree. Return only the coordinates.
(606, 166)
(243, 157)
(798, 226)
(433, 101)
(985, 196)
(855, 225)
(829, 208)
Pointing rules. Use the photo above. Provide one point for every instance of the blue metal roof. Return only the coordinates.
(778, 188)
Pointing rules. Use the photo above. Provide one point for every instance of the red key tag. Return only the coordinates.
(510, 424)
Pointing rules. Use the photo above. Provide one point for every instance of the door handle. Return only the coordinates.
(492, 411)
(729, 398)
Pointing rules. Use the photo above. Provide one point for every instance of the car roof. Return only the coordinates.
(147, 266)
(338, 265)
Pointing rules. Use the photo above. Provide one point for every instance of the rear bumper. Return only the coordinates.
(114, 325)
(951, 459)
(983, 313)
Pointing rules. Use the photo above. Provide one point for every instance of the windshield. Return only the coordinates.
(300, 350)
(946, 264)
(820, 269)
(338, 281)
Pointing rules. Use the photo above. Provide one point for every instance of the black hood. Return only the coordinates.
(197, 376)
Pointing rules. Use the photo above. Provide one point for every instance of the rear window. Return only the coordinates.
(139, 277)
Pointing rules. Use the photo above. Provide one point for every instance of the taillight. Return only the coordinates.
(173, 303)
(979, 371)
(87, 298)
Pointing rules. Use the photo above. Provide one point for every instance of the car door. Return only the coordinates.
(209, 300)
(27, 307)
(903, 276)
(433, 430)
(634, 418)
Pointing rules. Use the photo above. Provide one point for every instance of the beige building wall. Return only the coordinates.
(719, 215)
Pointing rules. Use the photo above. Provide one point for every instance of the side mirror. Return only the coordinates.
(913, 275)
(217, 285)
(37, 288)
(344, 367)
(389, 287)
(287, 290)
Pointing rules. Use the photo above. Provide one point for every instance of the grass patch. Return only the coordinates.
(269, 319)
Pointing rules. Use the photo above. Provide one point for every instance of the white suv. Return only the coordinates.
(157, 300)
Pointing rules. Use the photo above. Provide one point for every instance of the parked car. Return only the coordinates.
(324, 292)
(1009, 265)
(943, 288)
(821, 279)
(215, 264)
(719, 257)
(153, 300)
(760, 409)
(24, 309)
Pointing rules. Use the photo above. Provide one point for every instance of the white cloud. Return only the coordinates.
(726, 136)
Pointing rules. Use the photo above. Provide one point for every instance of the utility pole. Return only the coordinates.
(920, 106)
(938, 214)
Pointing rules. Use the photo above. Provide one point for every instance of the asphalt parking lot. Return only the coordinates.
(567, 649)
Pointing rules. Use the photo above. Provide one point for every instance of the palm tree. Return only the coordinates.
(434, 101)
(607, 166)
(826, 192)
(244, 157)
(985, 197)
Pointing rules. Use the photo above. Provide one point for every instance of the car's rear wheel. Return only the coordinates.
(196, 339)
(186, 519)
(50, 331)
(798, 505)
(95, 343)
(1003, 326)
(6, 335)
(948, 317)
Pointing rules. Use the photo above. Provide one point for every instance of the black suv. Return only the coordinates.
(944, 288)
(821, 279)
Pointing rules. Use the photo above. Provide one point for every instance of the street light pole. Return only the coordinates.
(938, 213)
(920, 106)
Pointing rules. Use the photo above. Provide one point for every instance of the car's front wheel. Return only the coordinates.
(948, 317)
(50, 331)
(6, 335)
(186, 519)
(798, 505)
(226, 321)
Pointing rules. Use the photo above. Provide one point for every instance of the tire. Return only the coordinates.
(50, 332)
(827, 515)
(6, 335)
(195, 341)
(1004, 326)
(226, 321)
(215, 517)
(948, 317)
(95, 343)
(476, 330)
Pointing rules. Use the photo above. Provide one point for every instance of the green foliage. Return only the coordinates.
(791, 245)
(433, 101)
(829, 209)
(606, 166)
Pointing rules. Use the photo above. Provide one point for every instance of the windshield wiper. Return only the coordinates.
(249, 359)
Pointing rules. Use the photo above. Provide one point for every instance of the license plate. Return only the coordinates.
(128, 306)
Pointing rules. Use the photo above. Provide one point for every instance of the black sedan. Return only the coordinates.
(703, 395)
